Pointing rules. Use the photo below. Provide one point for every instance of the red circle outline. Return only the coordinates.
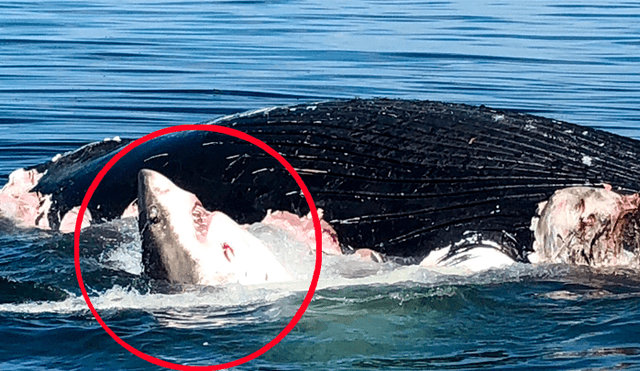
(240, 135)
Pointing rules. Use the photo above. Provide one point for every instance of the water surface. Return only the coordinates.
(74, 72)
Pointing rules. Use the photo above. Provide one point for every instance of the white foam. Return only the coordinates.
(229, 305)
(196, 307)
(125, 257)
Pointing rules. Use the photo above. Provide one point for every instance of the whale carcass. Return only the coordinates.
(400, 177)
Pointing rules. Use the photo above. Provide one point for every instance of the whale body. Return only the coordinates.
(399, 177)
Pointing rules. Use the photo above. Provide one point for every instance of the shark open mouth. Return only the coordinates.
(201, 220)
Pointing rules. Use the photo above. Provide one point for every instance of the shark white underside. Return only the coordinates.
(185, 243)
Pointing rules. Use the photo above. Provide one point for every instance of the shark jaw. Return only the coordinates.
(183, 242)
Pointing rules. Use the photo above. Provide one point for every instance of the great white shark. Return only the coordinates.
(399, 177)
(182, 242)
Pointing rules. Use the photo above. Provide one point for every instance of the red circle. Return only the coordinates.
(245, 137)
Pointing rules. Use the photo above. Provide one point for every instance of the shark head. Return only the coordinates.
(183, 242)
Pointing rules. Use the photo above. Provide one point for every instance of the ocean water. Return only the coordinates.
(74, 72)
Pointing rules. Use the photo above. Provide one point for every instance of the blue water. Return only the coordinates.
(74, 72)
